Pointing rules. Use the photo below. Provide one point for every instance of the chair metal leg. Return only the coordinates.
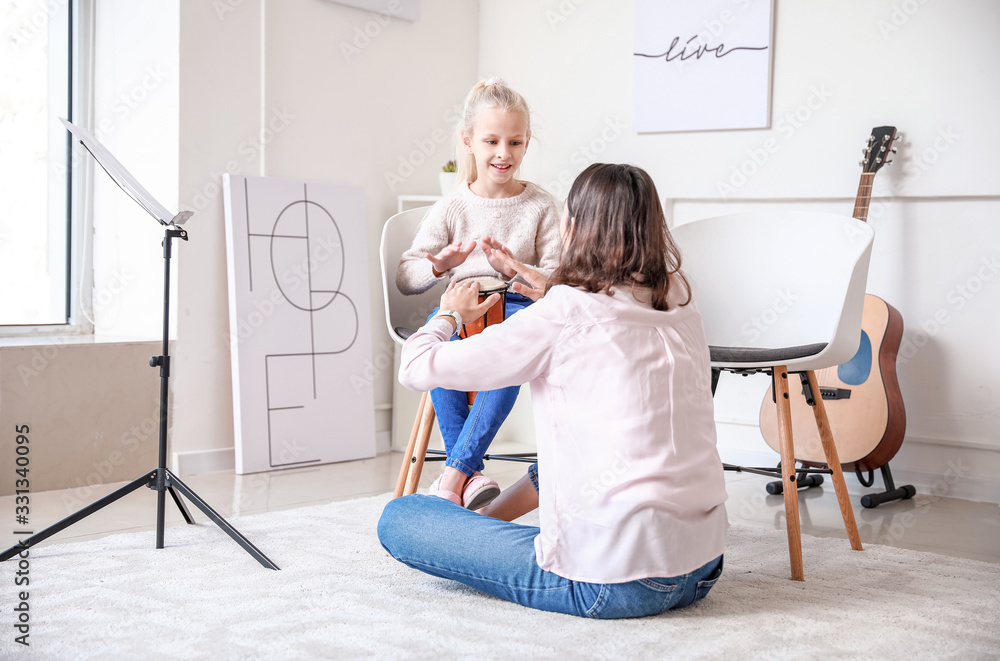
(427, 417)
(791, 493)
(833, 461)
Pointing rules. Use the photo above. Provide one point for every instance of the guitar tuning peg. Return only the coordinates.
(882, 150)
(861, 163)
(878, 160)
(888, 162)
(893, 150)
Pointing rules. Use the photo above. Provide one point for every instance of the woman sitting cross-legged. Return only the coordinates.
(630, 487)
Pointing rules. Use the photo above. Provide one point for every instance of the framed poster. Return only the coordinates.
(299, 322)
(702, 66)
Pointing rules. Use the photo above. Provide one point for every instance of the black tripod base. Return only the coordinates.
(167, 482)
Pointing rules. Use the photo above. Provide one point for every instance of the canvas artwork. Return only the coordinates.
(702, 65)
(299, 322)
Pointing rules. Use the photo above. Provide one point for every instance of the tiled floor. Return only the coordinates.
(927, 523)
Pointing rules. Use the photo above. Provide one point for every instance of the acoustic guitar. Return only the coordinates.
(862, 397)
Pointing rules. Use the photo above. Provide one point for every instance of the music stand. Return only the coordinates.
(159, 479)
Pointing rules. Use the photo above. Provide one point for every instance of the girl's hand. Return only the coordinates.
(463, 298)
(453, 255)
(495, 251)
(535, 288)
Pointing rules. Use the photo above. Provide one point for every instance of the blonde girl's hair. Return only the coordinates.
(487, 93)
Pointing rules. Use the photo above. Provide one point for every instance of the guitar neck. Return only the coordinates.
(862, 201)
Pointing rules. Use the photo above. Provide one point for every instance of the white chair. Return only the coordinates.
(403, 314)
(782, 293)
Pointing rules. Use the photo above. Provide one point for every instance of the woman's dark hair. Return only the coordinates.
(619, 235)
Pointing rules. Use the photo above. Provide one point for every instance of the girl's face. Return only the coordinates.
(498, 141)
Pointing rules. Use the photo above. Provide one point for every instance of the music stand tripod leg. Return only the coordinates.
(145, 480)
(181, 506)
(173, 482)
(159, 479)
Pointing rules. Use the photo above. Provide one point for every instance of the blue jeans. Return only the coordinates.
(468, 432)
(446, 540)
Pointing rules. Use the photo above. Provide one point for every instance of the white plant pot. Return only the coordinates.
(447, 181)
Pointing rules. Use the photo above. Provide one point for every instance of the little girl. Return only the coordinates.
(630, 485)
(508, 217)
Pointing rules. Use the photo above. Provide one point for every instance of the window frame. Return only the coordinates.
(78, 169)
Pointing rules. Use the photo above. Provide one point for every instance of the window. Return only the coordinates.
(38, 75)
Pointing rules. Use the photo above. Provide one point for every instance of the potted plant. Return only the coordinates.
(447, 177)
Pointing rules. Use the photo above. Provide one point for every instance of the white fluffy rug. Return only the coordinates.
(339, 596)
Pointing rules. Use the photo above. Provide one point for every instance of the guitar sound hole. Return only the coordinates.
(855, 371)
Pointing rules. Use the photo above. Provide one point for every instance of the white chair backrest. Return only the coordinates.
(403, 311)
(779, 279)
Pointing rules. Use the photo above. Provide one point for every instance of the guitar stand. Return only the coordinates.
(891, 493)
(811, 477)
(805, 478)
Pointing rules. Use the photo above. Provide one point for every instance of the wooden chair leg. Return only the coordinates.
(427, 416)
(790, 489)
(404, 468)
(833, 461)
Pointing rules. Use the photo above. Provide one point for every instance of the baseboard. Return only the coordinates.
(224, 459)
(935, 467)
(203, 461)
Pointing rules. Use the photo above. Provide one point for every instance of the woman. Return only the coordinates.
(631, 489)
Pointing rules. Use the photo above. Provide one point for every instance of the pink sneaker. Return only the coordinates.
(479, 491)
(436, 490)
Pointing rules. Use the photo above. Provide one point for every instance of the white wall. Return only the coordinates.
(285, 73)
(309, 89)
(842, 67)
(574, 65)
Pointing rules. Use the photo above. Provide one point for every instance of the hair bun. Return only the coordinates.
(495, 80)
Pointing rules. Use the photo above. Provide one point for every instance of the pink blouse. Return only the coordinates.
(631, 484)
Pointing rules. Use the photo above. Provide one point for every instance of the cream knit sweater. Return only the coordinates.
(528, 224)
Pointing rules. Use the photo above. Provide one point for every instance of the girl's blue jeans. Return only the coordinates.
(468, 432)
(446, 540)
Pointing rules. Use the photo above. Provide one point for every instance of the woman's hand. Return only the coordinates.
(535, 288)
(495, 252)
(463, 298)
(451, 256)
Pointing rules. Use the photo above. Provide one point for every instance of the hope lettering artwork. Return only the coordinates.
(299, 323)
(702, 66)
